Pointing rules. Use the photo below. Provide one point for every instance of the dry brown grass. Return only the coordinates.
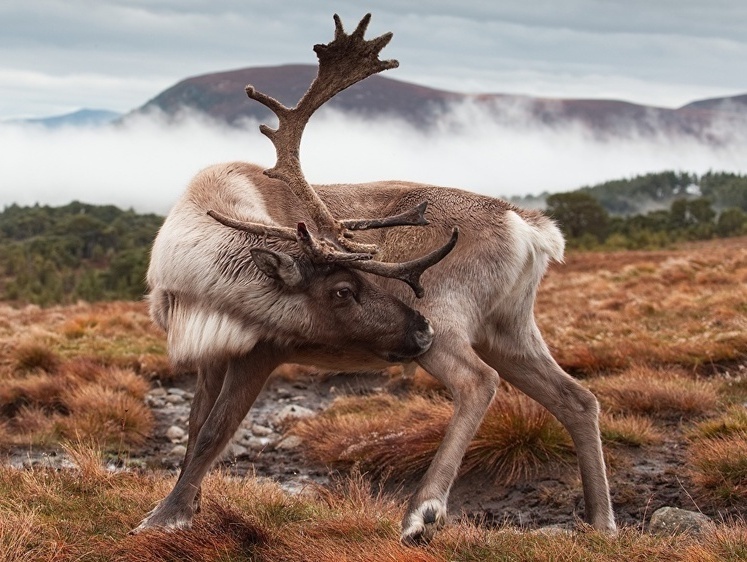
(643, 323)
(383, 434)
(30, 356)
(688, 307)
(719, 466)
(730, 423)
(249, 519)
(113, 418)
(629, 430)
(78, 370)
(658, 393)
(117, 334)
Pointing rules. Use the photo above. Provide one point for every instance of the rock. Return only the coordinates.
(672, 521)
(261, 430)
(234, 450)
(154, 402)
(291, 412)
(256, 443)
(174, 399)
(175, 433)
(289, 443)
(177, 391)
(158, 392)
(178, 451)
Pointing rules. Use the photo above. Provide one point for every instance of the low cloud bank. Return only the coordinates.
(146, 163)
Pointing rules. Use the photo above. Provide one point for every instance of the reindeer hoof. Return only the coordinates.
(420, 526)
(161, 518)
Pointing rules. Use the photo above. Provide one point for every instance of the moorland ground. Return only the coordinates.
(87, 400)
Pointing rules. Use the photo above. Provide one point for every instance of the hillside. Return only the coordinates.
(221, 97)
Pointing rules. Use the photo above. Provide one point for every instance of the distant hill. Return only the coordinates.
(221, 96)
(80, 118)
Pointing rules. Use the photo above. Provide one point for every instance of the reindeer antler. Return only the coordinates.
(346, 60)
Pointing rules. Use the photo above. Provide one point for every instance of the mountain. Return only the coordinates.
(80, 118)
(221, 96)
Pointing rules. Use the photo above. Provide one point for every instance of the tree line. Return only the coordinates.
(652, 211)
(51, 255)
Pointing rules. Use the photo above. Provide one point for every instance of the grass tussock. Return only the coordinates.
(80, 397)
(383, 434)
(32, 356)
(113, 418)
(657, 393)
(719, 467)
(733, 422)
(628, 430)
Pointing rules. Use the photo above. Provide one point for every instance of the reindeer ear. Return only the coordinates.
(277, 265)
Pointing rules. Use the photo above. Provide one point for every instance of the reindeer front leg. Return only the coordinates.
(472, 383)
(244, 379)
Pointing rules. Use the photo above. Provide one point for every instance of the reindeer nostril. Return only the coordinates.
(424, 337)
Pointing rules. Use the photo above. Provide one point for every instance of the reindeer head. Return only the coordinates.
(342, 309)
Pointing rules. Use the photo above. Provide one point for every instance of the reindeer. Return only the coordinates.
(241, 285)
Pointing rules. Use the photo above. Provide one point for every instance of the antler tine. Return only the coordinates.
(321, 254)
(413, 217)
(281, 232)
(410, 271)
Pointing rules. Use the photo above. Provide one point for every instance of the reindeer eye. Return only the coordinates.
(343, 293)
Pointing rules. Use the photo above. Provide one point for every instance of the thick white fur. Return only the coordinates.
(196, 333)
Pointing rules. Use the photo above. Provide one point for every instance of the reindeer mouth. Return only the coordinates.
(420, 342)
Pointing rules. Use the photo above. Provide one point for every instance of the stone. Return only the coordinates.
(178, 451)
(672, 521)
(553, 531)
(177, 391)
(174, 399)
(289, 443)
(175, 433)
(291, 412)
(256, 443)
(261, 430)
(158, 392)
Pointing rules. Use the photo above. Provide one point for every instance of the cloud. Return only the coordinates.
(147, 163)
(580, 48)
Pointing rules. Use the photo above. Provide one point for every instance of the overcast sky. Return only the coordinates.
(61, 55)
(57, 56)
